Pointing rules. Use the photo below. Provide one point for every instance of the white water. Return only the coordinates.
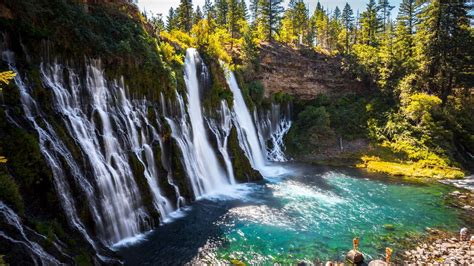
(106, 133)
(247, 133)
(108, 130)
(272, 127)
(198, 156)
(52, 149)
(38, 254)
(221, 129)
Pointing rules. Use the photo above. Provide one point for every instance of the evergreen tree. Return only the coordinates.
(369, 24)
(233, 17)
(221, 12)
(208, 8)
(197, 15)
(348, 23)
(185, 15)
(300, 19)
(171, 20)
(157, 23)
(337, 13)
(244, 12)
(271, 11)
(385, 9)
(444, 45)
(254, 10)
(404, 44)
(407, 13)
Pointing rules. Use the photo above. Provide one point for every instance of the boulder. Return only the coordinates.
(378, 263)
(354, 256)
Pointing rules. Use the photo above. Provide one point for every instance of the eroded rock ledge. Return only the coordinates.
(304, 73)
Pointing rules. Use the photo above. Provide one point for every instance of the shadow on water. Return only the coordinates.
(312, 212)
(178, 242)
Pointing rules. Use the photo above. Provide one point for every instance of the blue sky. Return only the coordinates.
(162, 6)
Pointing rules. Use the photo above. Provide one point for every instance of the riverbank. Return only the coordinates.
(445, 247)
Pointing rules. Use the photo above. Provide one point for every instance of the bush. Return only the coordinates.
(10, 193)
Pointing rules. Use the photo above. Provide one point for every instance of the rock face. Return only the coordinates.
(304, 73)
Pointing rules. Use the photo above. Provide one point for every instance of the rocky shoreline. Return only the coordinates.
(446, 248)
(441, 251)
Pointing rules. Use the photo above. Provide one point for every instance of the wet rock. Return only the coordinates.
(378, 263)
(354, 256)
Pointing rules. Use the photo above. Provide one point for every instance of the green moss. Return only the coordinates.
(179, 175)
(83, 259)
(219, 89)
(243, 171)
(10, 193)
(411, 169)
(145, 192)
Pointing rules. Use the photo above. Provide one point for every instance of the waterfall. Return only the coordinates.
(199, 158)
(221, 129)
(106, 125)
(254, 149)
(106, 150)
(52, 149)
(12, 222)
(272, 127)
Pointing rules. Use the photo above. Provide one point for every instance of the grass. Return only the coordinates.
(376, 164)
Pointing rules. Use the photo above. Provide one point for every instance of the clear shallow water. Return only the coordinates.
(311, 215)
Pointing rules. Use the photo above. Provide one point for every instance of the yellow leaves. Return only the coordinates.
(179, 38)
(169, 53)
(3, 159)
(420, 106)
(6, 76)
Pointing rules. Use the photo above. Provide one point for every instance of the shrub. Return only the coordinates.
(10, 193)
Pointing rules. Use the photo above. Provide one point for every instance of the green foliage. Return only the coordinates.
(83, 259)
(2, 262)
(256, 91)
(281, 97)
(10, 192)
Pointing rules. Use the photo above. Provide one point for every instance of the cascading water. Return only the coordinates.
(199, 158)
(110, 134)
(12, 222)
(112, 126)
(247, 133)
(272, 126)
(221, 129)
(52, 149)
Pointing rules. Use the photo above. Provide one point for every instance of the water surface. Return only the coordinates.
(311, 215)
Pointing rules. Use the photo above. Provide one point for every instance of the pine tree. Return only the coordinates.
(197, 15)
(208, 8)
(348, 23)
(385, 9)
(407, 13)
(271, 11)
(171, 20)
(157, 23)
(369, 24)
(337, 13)
(185, 15)
(244, 12)
(254, 10)
(300, 19)
(221, 12)
(444, 45)
(233, 17)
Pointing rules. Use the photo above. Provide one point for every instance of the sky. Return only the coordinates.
(162, 6)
